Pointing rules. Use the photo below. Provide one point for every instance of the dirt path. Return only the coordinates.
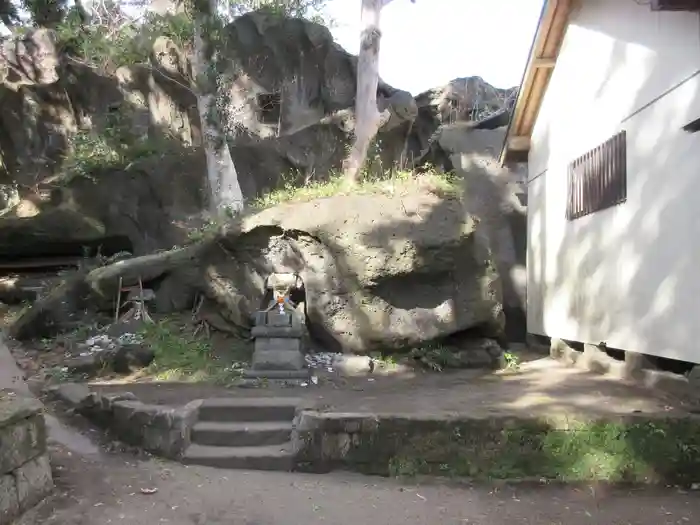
(539, 387)
(108, 491)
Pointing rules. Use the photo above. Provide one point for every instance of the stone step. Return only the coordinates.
(249, 409)
(225, 434)
(273, 457)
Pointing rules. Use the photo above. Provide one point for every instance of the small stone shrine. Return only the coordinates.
(278, 333)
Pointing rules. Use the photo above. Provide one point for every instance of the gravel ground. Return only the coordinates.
(121, 488)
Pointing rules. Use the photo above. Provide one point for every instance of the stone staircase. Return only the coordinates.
(252, 434)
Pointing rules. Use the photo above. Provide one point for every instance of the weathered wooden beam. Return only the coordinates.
(544, 62)
(519, 142)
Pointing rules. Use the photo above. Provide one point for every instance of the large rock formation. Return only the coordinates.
(283, 75)
(388, 271)
(288, 68)
(290, 94)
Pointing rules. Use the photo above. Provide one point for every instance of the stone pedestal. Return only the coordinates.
(278, 350)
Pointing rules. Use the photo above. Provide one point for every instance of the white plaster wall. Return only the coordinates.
(628, 276)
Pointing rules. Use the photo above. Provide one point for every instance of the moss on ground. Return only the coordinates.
(631, 450)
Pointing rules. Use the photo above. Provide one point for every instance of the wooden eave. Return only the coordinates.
(544, 52)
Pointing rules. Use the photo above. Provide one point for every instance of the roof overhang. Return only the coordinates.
(543, 57)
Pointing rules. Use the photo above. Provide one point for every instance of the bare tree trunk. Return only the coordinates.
(367, 117)
(224, 190)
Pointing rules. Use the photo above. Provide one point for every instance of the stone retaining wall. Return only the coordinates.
(25, 471)
(159, 429)
(639, 448)
(635, 447)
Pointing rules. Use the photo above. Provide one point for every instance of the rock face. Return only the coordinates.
(287, 74)
(469, 99)
(291, 92)
(381, 272)
(283, 76)
(29, 60)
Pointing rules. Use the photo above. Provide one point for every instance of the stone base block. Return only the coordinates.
(281, 375)
(278, 354)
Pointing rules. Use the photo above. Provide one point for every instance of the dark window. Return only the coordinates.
(269, 108)
(675, 5)
(598, 179)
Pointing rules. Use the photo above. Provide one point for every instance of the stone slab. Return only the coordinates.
(282, 375)
(277, 319)
(34, 482)
(278, 344)
(284, 332)
(277, 360)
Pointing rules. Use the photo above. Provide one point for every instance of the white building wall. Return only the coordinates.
(628, 276)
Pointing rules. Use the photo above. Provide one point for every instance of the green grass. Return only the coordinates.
(181, 356)
(337, 185)
(664, 450)
(387, 183)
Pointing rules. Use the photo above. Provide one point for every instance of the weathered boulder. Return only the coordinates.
(283, 76)
(381, 272)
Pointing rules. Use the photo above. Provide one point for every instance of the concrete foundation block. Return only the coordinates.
(560, 350)
(635, 365)
(596, 359)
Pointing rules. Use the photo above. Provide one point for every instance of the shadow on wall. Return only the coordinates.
(492, 193)
(627, 275)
